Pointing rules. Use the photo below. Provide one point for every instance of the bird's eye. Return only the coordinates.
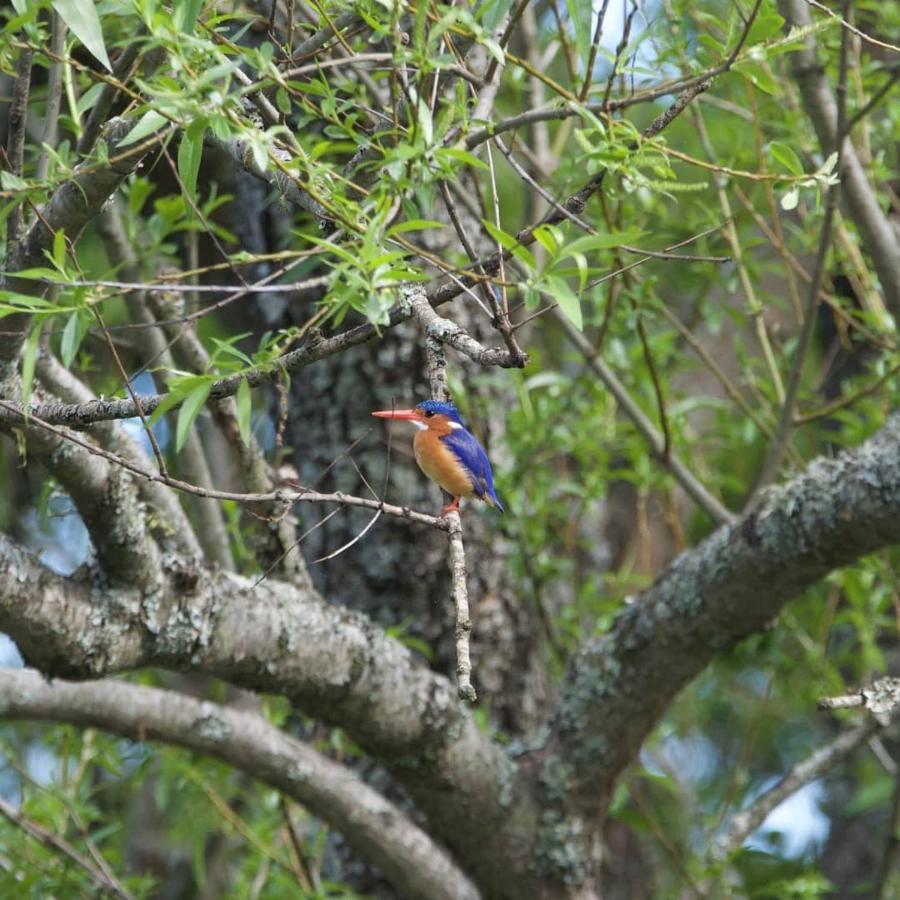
(429, 413)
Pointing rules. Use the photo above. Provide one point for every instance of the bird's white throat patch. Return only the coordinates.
(422, 426)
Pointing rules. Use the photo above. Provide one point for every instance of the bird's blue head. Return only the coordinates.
(430, 408)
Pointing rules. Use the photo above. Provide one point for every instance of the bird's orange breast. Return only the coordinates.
(440, 464)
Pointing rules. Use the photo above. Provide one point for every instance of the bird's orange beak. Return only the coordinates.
(410, 415)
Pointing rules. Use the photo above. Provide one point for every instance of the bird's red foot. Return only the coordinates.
(451, 507)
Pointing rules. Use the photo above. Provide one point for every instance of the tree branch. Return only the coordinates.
(54, 842)
(711, 505)
(376, 828)
(882, 700)
(332, 663)
(619, 684)
(337, 666)
(878, 237)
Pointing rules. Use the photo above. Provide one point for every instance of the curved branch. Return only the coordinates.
(376, 828)
(332, 663)
(815, 765)
(163, 502)
(712, 597)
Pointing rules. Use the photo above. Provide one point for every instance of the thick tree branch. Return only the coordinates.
(376, 828)
(334, 664)
(619, 684)
(164, 506)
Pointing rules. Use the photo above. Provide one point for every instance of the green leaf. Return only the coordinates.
(84, 22)
(415, 225)
(786, 156)
(601, 242)
(759, 75)
(462, 156)
(426, 126)
(582, 12)
(190, 151)
(492, 12)
(73, 335)
(186, 12)
(189, 411)
(10, 182)
(511, 243)
(549, 237)
(567, 299)
(244, 403)
(59, 249)
(28, 360)
(148, 123)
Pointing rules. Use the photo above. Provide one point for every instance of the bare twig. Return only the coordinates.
(882, 699)
(277, 496)
(847, 25)
(682, 474)
(448, 332)
(60, 845)
(785, 424)
(437, 377)
(15, 140)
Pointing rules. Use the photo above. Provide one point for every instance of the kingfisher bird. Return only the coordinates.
(448, 453)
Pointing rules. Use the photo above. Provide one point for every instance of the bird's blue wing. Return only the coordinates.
(470, 453)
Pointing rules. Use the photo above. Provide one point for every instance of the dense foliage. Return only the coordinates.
(291, 174)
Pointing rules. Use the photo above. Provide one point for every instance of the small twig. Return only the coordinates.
(785, 425)
(873, 101)
(448, 332)
(822, 760)
(592, 55)
(882, 699)
(352, 541)
(657, 386)
(845, 24)
(279, 496)
(60, 845)
(437, 377)
(682, 474)
(461, 603)
(620, 49)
